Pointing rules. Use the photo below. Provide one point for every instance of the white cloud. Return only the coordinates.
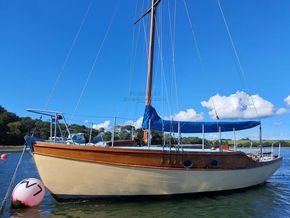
(104, 125)
(137, 124)
(287, 100)
(188, 115)
(281, 111)
(238, 105)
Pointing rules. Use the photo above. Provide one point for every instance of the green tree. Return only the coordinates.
(6, 118)
(107, 136)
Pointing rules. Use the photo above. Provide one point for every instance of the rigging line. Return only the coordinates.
(193, 35)
(236, 55)
(174, 24)
(133, 56)
(157, 64)
(155, 74)
(146, 41)
(132, 50)
(197, 49)
(174, 65)
(96, 58)
(171, 75)
(170, 79)
(216, 114)
(69, 53)
(12, 180)
(162, 68)
(145, 38)
(134, 47)
(159, 60)
(172, 40)
(146, 46)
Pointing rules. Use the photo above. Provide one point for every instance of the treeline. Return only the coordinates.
(13, 129)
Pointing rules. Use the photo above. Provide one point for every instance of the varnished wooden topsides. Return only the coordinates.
(149, 158)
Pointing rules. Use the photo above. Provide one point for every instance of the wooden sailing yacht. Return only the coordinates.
(72, 171)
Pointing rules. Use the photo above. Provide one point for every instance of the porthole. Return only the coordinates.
(187, 163)
(214, 163)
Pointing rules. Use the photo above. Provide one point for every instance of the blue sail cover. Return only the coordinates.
(157, 123)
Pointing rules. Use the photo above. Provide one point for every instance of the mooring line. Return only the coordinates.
(12, 181)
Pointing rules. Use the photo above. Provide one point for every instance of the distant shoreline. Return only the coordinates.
(11, 148)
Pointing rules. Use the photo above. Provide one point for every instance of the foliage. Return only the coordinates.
(7, 129)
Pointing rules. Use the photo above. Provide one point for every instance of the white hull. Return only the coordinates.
(72, 179)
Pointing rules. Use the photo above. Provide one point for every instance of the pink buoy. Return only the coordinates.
(4, 156)
(28, 193)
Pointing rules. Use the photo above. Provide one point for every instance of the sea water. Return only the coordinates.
(269, 200)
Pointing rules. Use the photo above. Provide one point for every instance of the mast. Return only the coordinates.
(151, 53)
(148, 99)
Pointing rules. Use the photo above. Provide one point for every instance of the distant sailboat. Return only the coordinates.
(73, 171)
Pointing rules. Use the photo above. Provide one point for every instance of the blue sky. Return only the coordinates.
(36, 37)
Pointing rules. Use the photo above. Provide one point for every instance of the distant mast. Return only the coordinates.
(151, 53)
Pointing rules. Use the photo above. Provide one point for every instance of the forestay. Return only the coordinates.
(157, 123)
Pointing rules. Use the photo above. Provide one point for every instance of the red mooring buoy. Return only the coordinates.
(4, 156)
